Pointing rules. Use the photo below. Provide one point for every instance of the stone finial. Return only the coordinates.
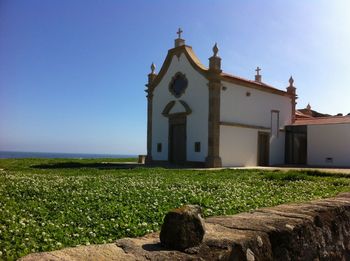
(291, 88)
(215, 50)
(151, 76)
(291, 91)
(215, 60)
(182, 228)
(308, 110)
(291, 81)
(258, 76)
(153, 68)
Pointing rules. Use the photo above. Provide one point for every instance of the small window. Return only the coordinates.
(329, 160)
(197, 146)
(159, 147)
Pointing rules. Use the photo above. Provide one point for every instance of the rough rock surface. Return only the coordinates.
(182, 228)
(316, 230)
(87, 253)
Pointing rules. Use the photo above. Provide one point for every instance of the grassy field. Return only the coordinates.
(48, 204)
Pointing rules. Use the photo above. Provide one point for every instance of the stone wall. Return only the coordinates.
(316, 230)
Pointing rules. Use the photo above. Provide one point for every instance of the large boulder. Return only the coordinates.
(183, 228)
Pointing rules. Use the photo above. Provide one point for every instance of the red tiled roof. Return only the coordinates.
(313, 113)
(323, 120)
(262, 85)
(300, 115)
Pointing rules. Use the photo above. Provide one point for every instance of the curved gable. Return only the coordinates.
(191, 57)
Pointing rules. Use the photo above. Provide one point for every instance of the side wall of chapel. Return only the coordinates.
(244, 113)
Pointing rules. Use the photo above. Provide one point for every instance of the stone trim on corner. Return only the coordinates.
(149, 92)
(213, 159)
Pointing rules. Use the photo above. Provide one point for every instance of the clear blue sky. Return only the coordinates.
(72, 73)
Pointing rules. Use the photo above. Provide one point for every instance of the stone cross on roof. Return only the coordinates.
(257, 76)
(257, 70)
(179, 32)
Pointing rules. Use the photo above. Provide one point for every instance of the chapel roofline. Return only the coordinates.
(252, 84)
(182, 48)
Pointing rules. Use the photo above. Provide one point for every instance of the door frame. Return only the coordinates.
(294, 133)
(266, 134)
(176, 119)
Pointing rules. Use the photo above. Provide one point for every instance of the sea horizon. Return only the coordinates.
(51, 155)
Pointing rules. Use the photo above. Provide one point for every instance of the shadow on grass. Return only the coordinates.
(286, 176)
(317, 173)
(295, 175)
(78, 165)
(106, 165)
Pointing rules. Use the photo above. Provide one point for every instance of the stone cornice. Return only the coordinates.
(242, 125)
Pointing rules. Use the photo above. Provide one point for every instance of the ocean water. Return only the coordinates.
(49, 155)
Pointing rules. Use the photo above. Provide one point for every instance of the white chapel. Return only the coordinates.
(202, 116)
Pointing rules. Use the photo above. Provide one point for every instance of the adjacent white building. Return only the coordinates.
(205, 117)
(319, 141)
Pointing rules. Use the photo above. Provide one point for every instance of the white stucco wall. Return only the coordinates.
(196, 96)
(238, 146)
(255, 109)
(328, 141)
(277, 148)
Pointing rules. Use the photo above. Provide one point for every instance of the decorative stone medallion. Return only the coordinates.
(178, 84)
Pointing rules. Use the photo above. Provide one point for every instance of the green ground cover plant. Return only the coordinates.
(48, 204)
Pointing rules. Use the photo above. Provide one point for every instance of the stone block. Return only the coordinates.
(182, 228)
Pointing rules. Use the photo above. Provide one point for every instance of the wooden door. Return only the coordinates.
(178, 143)
(177, 140)
(300, 147)
(263, 148)
(296, 145)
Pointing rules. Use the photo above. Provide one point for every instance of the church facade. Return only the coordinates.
(204, 117)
